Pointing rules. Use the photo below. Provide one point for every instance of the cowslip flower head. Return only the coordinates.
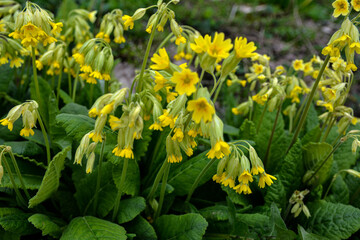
(161, 61)
(341, 8)
(201, 110)
(185, 81)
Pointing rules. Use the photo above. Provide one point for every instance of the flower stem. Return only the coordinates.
(157, 180)
(19, 174)
(46, 140)
(308, 103)
(106, 87)
(69, 82)
(261, 117)
(266, 163)
(164, 41)
(91, 94)
(147, 52)
(12, 179)
(36, 82)
(98, 180)
(162, 191)
(197, 180)
(120, 190)
(75, 85)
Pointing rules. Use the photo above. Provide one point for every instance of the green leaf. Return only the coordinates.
(314, 154)
(17, 223)
(9, 235)
(45, 92)
(141, 146)
(304, 235)
(85, 185)
(247, 130)
(231, 130)
(74, 108)
(51, 179)
(311, 136)
(343, 157)
(256, 222)
(46, 225)
(353, 184)
(75, 126)
(64, 96)
(184, 176)
(130, 208)
(5, 78)
(279, 228)
(26, 148)
(190, 226)
(236, 198)
(339, 191)
(276, 193)
(335, 221)
(132, 181)
(215, 213)
(280, 140)
(312, 119)
(65, 7)
(141, 228)
(92, 228)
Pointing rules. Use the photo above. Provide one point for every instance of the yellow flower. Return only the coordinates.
(265, 178)
(201, 44)
(127, 153)
(156, 126)
(96, 74)
(86, 68)
(26, 132)
(255, 170)
(56, 28)
(39, 65)
(201, 110)
(308, 69)
(192, 133)
(243, 188)
(356, 5)
(328, 106)
(29, 41)
(96, 137)
(116, 151)
(160, 81)
(178, 135)
(148, 29)
(219, 48)
(341, 8)
(260, 99)
(355, 46)
(167, 120)
(258, 68)
(6, 122)
(129, 22)
(220, 149)
(114, 122)
(170, 95)
(92, 16)
(245, 177)
(79, 58)
(218, 178)
(16, 62)
(174, 159)
(298, 65)
(161, 60)
(244, 49)
(119, 40)
(180, 39)
(294, 94)
(108, 108)
(49, 40)
(228, 181)
(185, 81)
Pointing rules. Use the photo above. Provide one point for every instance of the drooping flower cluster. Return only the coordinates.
(55, 58)
(11, 50)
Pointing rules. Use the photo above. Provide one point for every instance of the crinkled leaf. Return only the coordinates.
(75, 125)
(247, 130)
(339, 191)
(312, 119)
(231, 130)
(64, 96)
(304, 235)
(46, 225)
(132, 180)
(256, 222)
(45, 92)
(279, 228)
(5, 78)
(184, 176)
(130, 208)
(17, 223)
(311, 136)
(332, 220)
(190, 226)
(276, 193)
(314, 154)
(51, 180)
(26, 148)
(215, 213)
(236, 198)
(74, 108)
(141, 228)
(92, 228)
(9, 235)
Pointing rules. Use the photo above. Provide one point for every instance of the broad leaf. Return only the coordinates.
(312, 119)
(248, 130)
(190, 226)
(339, 191)
(141, 228)
(215, 213)
(130, 208)
(51, 179)
(332, 220)
(75, 125)
(308, 236)
(132, 180)
(279, 228)
(5, 78)
(45, 92)
(74, 108)
(184, 176)
(92, 228)
(314, 155)
(17, 223)
(46, 225)
(26, 148)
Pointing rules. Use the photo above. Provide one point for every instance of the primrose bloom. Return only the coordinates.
(185, 81)
(201, 110)
(298, 65)
(356, 5)
(244, 49)
(128, 22)
(161, 61)
(341, 8)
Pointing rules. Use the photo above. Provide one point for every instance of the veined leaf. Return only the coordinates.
(45, 92)
(141, 228)
(26, 148)
(132, 180)
(74, 108)
(51, 179)
(130, 208)
(17, 223)
(248, 130)
(332, 220)
(190, 226)
(309, 236)
(46, 225)
(339, 191)
(92, 228)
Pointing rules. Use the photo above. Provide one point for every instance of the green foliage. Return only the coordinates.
(46, 225)
(332, 220)
(132, 180)
(190, 226)
(141, 228)
(92, 228)
(130, 208)
(51, 180)
(17, 222)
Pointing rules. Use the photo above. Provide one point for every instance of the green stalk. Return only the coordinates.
(197, 180)
(36, 82)
(328, 129)
(46, 140)
(91, 94)
(162, 191)
(12, 179)
(98, 180)
(75, 85)
(147, 52)
(298, 114)
(340, 134)
(164, 41)
(120, 190)
(157, 180)
(59, 86)
(266, 163)
(261, 117)
(106, 86)
(308, 103)
(69, 82)
(19, 174)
